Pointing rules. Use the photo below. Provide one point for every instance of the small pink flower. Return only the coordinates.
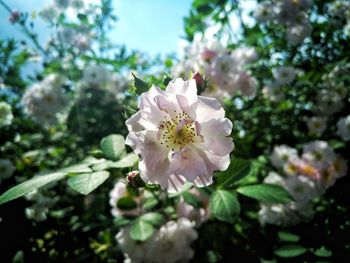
(180, 136)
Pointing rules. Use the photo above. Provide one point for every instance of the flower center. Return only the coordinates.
(177, 132)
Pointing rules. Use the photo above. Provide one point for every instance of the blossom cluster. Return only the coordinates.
(45, 99)
(282, 75)
(304, 177)
(225, 69)
(171, 243)
(98, 76)
(339, 12)
(289, 13)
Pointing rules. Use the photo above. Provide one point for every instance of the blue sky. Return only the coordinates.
(153, 26)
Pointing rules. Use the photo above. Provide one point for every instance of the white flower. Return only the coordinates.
(264, 12)
(318, 153)
(134, 251)
(328, 102)
(282, 154)
(198, 215)
(6, 115)
(297, 33)
(316, 124)
(45, 99)
(343, 126)
(246, 84)
(96, 75)
(301, 188)
(120, 190)
(244, 55)
(180, 136)
(173, 242)
(6, 169)
(284, 75)
(273, 92)
(274, 178)
(49, 13)
(285, 214)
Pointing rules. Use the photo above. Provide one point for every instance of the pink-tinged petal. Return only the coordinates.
(216, 127)
(203, 180)
(133, 123)
(146, 99)
(182, 123)
(185, 107)
(163, 104)
(208, 108)
(154, 153)
(215, 162)
(218, 145)
(198, 128)
(188, 164)
(135, 141)
(159, 176)
(176, 183)
(185, 88)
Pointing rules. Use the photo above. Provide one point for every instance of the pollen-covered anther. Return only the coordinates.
(178, 132)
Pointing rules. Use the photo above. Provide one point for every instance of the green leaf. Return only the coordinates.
(113, 146)
(289, 251)
(78, 168)
(126, 203)
(128, 161)
(30, 185)
(268, 193)
(141, 230)
(224, 206)
(140, 85)
(191, 199)
(87, 182)
(288, 237)
(150, 203)
(323, 252)
(237, 170)
(154, 218)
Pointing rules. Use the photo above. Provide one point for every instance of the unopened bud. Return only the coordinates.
(199, 80)
(134, 179)
(14, 17)
(208, 55)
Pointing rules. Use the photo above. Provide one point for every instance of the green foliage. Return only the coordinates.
(237, 170)
(140, 86)
(141, 230)
(113, 146)
(87, 182)
(290, 251)
(30, 185)
(224, 206)
(126, 203)
(288, 237)
(268, 193)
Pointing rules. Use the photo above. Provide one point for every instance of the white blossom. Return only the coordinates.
(316, 124)
(343, 126)
(284, 74)
(282, 154)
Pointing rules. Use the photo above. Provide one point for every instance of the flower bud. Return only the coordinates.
(133, 178)
(14, 17)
